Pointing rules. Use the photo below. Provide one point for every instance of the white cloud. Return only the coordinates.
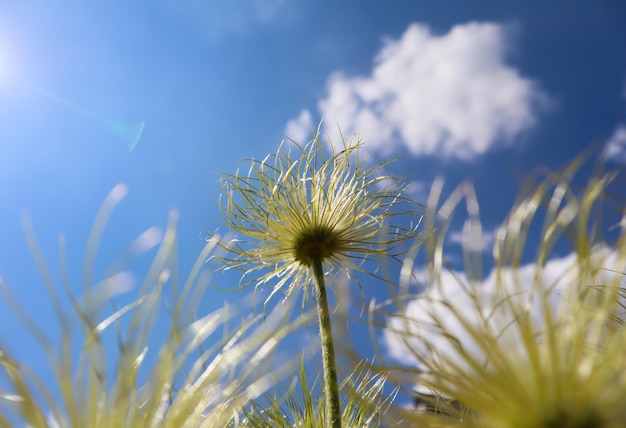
(615, 149)
(300, 129)
(485, 244)
(448, 95)
(213, 19)
(447, 294)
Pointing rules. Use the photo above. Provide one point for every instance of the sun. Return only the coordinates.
(5, 62)
(14, 60)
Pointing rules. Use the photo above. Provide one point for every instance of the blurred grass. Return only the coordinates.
(301, 402)
(197, 379)
(537, 342)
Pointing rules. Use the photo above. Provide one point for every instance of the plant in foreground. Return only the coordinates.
(300, 404)
(187, 385)
(302, 217)
(538, 345)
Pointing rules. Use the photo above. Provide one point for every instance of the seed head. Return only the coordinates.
(299, 204)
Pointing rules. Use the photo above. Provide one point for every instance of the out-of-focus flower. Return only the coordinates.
(536, 345)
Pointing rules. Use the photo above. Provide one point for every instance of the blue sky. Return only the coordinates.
(479, 90)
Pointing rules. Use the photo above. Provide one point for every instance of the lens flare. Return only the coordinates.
(130, 133)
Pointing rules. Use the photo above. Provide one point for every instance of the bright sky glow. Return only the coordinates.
(4, 63)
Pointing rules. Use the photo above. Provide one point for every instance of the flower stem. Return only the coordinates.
(331, 388)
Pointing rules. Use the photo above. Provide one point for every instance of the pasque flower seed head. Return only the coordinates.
(299, 204)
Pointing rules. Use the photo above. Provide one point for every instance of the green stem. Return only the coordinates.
(331, 388)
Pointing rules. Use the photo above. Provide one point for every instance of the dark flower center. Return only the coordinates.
(319, 242)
